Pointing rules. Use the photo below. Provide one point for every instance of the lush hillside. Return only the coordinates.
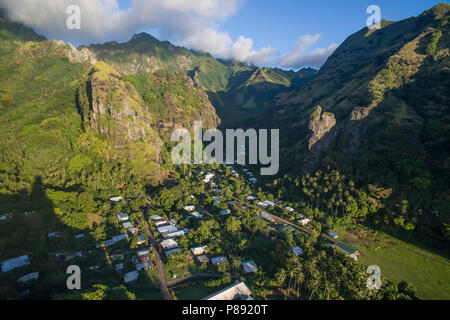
(383, 120)
(238, 92)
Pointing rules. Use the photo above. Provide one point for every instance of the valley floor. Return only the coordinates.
(426, 272)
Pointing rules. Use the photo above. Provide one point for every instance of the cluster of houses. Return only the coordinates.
(142, 259)
(9, 215)
(168, 228)
(19, 262)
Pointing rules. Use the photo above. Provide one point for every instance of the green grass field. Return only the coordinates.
(426, 272)
(196, 291)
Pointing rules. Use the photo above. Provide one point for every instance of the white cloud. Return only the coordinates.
(316, 58)
(191, 23)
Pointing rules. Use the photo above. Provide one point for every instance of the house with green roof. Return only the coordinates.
(347, 249)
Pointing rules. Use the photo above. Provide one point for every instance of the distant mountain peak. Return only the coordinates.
(142, 36)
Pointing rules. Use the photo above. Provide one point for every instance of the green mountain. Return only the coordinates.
(233, 88)
(378, 110)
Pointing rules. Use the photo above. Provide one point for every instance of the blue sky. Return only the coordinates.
(281, 22)
(286, 33)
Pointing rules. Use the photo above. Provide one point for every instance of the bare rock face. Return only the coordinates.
(359, 113)
(354, 130)
(319, 125)
(323, 130)
(115, 108)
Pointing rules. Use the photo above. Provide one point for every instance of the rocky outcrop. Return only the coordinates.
(115, 108)
(322, 127)
(55, 48)
(112, 108)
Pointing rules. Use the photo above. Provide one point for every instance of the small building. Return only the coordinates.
(199, 250)
(269, 203)
(217, 203)
(172, 251)
(173, 234)
(266, 216)
(218, 260)
(237, 291)
(297, 251)
(202, 259)
(250, 266)
(217, 198)
(116, 199)
(333, 235)
(116, 257)
(30, 276)
(289, 209)
(347, 249)
(169, 244)
(143, 253)
(79, 236)
(13, 263)
(304, 221)
(56, 234)
(196, 215)
(133, 231)
(140, 240)
(119, 267)
(119, 237)
(250, 198)
(146, 264)
(287, 228)
(156, 217)
(167, 228)
(127, 225)
(122, 216)
(262, 205)
(162, 222)
(232, 202)
(217, 190)
(189, 208)
(225, 212)
(252, 180)
(131, 276)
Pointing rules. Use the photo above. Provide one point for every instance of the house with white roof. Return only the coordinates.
(122, 216)
(199, 250)
(289, 209)
(196, 215)
(262, 205)
(225, 212)
(304, 221)
(189, 208)
(269, 203)
(237, 291)
(250, 198)
(169, 244)
(116, 199)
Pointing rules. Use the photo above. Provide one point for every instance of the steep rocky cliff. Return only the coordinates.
(113, 109)
(322, 127)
